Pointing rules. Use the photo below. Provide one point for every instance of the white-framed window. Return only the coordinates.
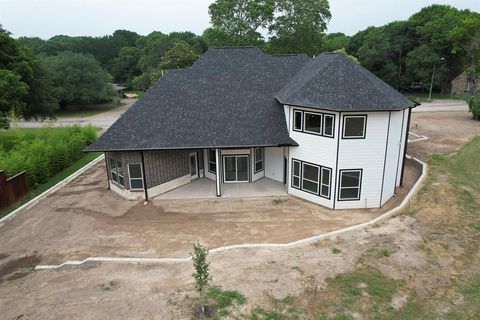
(350, 184)
(135, 175)
(297, 120)
(328, 125)
(259, 161)
(116, 172)
(310, 178)
(325, 182)
(296, 174)
(212, 161)
(312, 123)
(354, 127)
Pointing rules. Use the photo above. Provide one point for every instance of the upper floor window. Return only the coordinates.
(259, 159)
(354, 127)
(321, 124)
(212, 161)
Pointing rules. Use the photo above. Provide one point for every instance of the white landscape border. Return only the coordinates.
(420, 138)
(187, 259)
(35, 200)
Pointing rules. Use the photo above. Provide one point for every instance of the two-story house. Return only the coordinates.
(328, 129)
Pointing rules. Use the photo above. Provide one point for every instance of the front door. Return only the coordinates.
(235, 168)
(193, 166)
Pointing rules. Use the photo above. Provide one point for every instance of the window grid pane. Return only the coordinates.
(297, 120)
(313, 122)
(328, 125)
(354, 127)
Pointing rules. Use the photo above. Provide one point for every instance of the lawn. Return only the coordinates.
(90, 110)
(423, 97)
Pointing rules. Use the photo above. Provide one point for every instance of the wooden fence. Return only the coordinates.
(12, 189)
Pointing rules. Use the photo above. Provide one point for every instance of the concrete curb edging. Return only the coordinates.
(60, 184)
(187, 259)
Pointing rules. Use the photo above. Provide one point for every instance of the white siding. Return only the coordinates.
(315, 149)
(402, 146)
(274, 163)
(367, 154)
(394, 143)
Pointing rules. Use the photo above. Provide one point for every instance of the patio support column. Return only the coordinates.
(144, 176)
(106, 166)
(217, 171)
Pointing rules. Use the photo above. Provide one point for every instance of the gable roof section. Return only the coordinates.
(226, 99)
(333, 81)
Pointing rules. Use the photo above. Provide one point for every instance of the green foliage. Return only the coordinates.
(201, 275)
(78, 79)
(49, 151)
(336, 250)
(335, 41)
(474, 106)
(224, 299)
(180, 55)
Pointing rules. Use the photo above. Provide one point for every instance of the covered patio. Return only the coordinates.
(206, 188)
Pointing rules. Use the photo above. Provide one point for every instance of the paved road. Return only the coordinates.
(442, 105)
(102, 120)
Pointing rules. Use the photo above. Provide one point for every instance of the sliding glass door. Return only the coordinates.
(235, 168)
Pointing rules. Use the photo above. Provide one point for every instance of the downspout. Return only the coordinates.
(406, 143)
(144, 176)
(106, 166)
(217, 165)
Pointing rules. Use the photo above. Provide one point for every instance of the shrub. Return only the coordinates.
(474, 106)
(45, 153)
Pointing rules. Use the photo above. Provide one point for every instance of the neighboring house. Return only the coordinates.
(461, 85)
(119, 90)
(327, 128)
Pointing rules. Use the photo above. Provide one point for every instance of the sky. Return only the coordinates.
(46, 18)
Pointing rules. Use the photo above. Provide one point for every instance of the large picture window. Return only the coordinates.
(350, 184)
(313, 123)
(259, 161)
(354, 127)
(311, 178)
(318, 123)
(212, 162)
(116, 172)
(135, 176)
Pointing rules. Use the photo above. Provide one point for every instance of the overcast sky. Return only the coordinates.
(46, 18)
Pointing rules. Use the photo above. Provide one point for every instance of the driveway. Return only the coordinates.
(102, 120)
(442, 105)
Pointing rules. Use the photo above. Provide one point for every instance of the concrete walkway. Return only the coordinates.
(205, 188)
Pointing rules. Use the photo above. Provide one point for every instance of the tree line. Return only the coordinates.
(37, 76)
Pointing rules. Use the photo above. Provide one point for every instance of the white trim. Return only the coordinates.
(299, 173)
(341, 172)
(305, 122)
(217, 174)
(318, 177)
(329, 185)
(255, 161)
(301, 120)
(60, 184)
(236, 168)
(344, 120)
(130, 177)
(279, 246)
(325, 115)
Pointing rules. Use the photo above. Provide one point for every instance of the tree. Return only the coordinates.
(299, 26)
(201, 275)
(125, 67)
(335, 41)
(474, 106)
(180, 55)
(14, 91)
(78, 79)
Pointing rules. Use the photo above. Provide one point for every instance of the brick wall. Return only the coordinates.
(161, 166)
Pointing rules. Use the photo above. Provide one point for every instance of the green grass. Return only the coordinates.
(89, 110)
(8, 138)
(423, 97)
(80, 163)
(336, 251)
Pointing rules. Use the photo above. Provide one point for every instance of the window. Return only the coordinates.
(310, 178)
(135, 175)
(296, 174)
(212, 161)
(322, 124)
(298, 120)
(259, 159)
(116, 172)
(313, 123)
(354, 127)
(350, 182)
(328, 125)
(325, 183)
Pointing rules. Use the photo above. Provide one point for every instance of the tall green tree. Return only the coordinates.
(335, 41)
(78, 79)
(180, 55)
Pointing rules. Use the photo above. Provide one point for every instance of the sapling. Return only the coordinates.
(201, 275)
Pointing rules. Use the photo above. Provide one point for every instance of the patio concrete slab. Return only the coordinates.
(205, 189)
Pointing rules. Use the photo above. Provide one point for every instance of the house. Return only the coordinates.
(328, 129)
(461, 85)
(119, 90)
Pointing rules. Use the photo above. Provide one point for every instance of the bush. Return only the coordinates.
(474, 106)
(48, 152)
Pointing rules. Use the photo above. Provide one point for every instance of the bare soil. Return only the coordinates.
(165, 292)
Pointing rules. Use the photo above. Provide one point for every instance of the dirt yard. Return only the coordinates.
(427, 254)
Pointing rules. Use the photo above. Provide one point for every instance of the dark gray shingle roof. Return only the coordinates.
(333, 81)
(226, 99)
